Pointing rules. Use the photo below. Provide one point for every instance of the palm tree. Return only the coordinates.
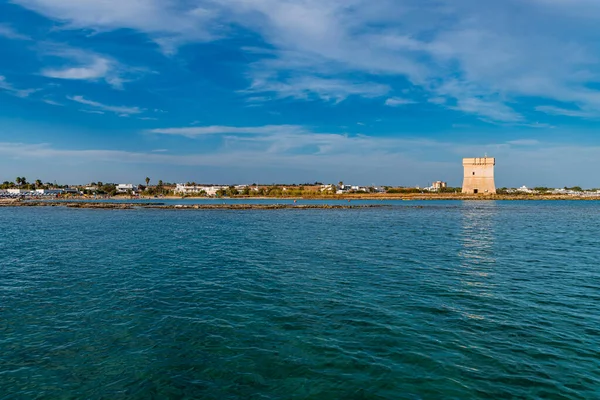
(147, 181)
(38, 183)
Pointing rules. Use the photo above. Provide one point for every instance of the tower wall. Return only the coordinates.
(479, 175)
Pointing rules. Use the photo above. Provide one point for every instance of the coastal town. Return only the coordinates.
(478, 181)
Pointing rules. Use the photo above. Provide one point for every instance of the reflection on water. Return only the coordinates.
(478, 234)
(477, 245)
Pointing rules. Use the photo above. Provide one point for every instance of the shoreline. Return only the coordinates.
(385, 196)
(162, 206)
(124, 202)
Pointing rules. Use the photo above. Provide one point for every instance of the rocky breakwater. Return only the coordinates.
(262, 207)
(162, 206)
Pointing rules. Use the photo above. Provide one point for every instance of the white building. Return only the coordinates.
(17, 191)
(193, 189)
(525, 189)
(436, 186)
(126, 187)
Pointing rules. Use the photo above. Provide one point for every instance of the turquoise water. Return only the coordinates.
(452, 300)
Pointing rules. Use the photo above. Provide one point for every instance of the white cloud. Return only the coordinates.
(98, 68)
(397, 101)
(52, 102)
(8, 32)
(6, 86)
(333, 49)
(490, 63)
(307, 87)
(494, 110)
(167, 22)
(88, 66)
(437, 100)
(568, 112)
(524, 142)
(99, 107)
(220, 130)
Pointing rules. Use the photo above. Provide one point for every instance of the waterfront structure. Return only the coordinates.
(194, 189)
(17, 191)
(126, 188)
(479, 175)
(49, 192)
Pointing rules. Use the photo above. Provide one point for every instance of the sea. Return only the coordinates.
(410, 300)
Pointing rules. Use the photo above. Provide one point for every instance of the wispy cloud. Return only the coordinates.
(168, 23)
(313, 87)
(494, 110)
(524, 142)
(8, 32)
(6, 86)
(568, 112)
(52, 102)
(470, 62)
(192, 132)
(88, 66)
(398, 101)
(99, 107)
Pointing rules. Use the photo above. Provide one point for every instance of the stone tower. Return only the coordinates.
(479, 175)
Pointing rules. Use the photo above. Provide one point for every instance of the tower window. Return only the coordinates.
(473, 173)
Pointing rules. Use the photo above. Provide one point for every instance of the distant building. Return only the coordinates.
(194, 189)
(525, 189)
(17, 191)
(126, 188)
(438, 185)
(479, 175)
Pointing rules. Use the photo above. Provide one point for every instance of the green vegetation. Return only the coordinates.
(402, 190)
(574, 188)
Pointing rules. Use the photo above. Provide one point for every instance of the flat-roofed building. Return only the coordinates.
(437, 185)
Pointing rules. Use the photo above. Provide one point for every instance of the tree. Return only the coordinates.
(147, 181)
(38, 183)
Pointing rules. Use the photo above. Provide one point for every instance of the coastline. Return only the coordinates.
(162, 206)
(392, 196)
(126, 203)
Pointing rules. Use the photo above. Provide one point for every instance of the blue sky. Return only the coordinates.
(240, 91)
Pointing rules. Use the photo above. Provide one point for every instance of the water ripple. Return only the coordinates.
(452, 300)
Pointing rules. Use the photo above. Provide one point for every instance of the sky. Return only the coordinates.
(369, 92)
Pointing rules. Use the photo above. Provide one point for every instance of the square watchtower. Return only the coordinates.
(479, 175)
